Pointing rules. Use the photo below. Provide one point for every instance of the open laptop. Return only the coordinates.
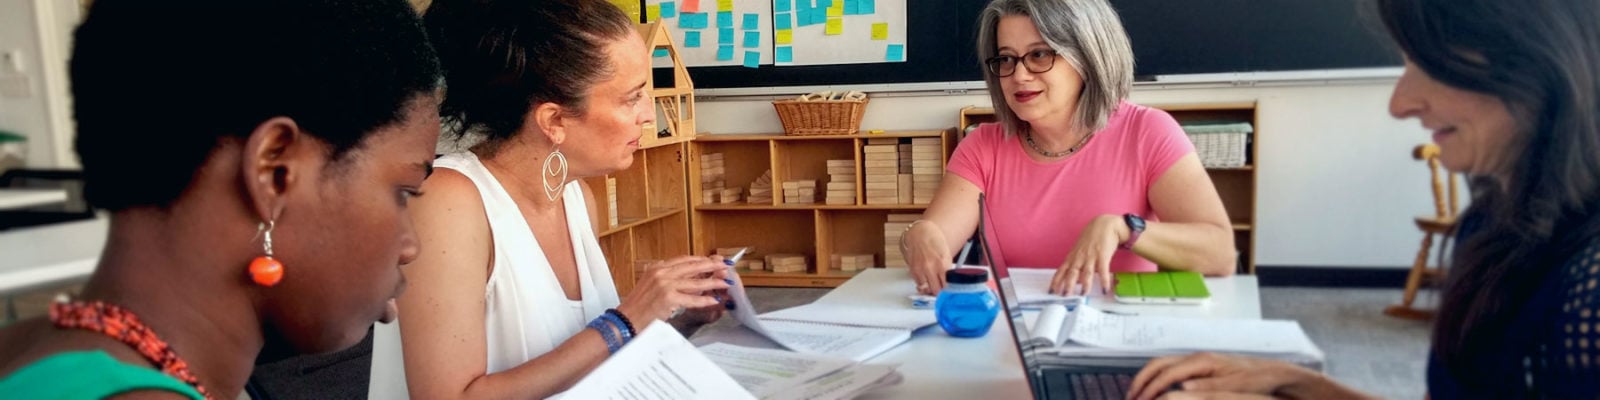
(1046, 382)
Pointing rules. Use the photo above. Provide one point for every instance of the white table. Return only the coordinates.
(48, 255)
(938, 366)
(11, 199)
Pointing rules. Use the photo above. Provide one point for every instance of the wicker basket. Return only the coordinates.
(834, 117)
(1220, 145)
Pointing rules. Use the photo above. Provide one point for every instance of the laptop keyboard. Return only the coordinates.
(1086, 386)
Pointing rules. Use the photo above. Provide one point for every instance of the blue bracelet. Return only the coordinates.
(627, 334)
(605, 328)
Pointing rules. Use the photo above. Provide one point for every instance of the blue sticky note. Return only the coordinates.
(866, 7)
(725, 36)
(824, 3)
(752, 39)
(850, 7)
(752, 22)
(785, 54)
(752, 59)
(724, 19)
(669, 9)
(896, 53)
(808, 17)
(782, 21)
(782, 6)
(694, 21)
(691, 39)
(661, 53)
(725, 52)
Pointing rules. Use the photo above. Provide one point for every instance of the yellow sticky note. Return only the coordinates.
(837, 10)
(835, 26)
(724, 5)
(785, 36)
(652, 13)
(880, 31)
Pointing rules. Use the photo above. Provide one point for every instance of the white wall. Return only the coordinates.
(1336, 185)
(38, 31)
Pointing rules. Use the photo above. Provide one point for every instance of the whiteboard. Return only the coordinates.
(686, 19)
(841, 31)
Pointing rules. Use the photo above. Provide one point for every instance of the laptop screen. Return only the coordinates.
(1008, 296)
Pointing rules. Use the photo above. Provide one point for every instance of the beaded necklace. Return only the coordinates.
(123, 325)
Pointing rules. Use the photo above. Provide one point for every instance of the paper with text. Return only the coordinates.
(765, 372)
(657, 364)
(856, 315)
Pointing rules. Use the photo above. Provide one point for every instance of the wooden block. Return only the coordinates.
(708, 164)
(927, 171)
(926, 156)
(870, 178)
(842, 170)
(903, 147)
(841, 163)
(927, 177)
(883, 141)
(879, 149)
(711, 156)
(882, 163)
(905, 218)
(882, 171)
(850, 178)
(839, 202)
(851, 193)
(756, 265)
(871, 186)
(883, 193)
(833, 186)
(790, 185)
(804, 183)
(926, 141)
(934, 163)
(881, 157)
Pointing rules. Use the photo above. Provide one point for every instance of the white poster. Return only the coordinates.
(715, 32)
(813, 32)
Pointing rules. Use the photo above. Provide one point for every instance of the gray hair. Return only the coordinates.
(1087, 33)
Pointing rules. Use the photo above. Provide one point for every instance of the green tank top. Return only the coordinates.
(87, 375)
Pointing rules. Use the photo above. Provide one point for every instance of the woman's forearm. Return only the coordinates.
(1195, 246)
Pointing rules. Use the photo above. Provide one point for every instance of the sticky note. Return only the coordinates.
(652, 13)
(850, 6)
(782, 6)
(880, 31)
(751, 22)
(835, 26)
(725, 52)
(866, 7)
(725, 5)
(836, 11)
(784, 36)
(691, 39)
(669, 9)
(662, 53)
(752, 39)
(724, 19)
(725, 36)
(752, 59)
(691, 6)
(785, 54)
(823, 4)
(896, 52)
(782, 21)
(693, 21)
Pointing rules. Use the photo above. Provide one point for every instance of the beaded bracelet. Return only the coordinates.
(605, 328)
(627, 336)
(625, 322)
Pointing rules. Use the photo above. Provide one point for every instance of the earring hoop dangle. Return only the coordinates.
(553, 171)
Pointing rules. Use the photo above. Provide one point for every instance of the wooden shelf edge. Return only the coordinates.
(891, 207)
(646, 144)
(1235, 105)
(656, 216)
(706, 137)
(795, 279)
(1246, 168)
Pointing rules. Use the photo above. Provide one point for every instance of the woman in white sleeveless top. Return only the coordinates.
(501, 299)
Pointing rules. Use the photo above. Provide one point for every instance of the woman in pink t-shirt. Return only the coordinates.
(1074, 177)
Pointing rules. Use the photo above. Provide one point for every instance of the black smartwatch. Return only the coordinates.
(1135, 227)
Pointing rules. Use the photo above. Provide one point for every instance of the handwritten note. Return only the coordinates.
(669, 10)
(782, 6)
(752, 22)
(725, 5)
(724, 52)
(784, 36)
(752, 59)
(835, 26)
(785, 54)
(782, 21)
(724, 19)
(896, 53)
(693, 21)
(691, 6)
(691, 39)
(652, 13)
(752, 39)
(725, 36)
(880, 31)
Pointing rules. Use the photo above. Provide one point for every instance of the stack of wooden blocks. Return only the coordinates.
(611, 202)
(852, 262)
(903, 180)
(800, 191)
(761, 189)
(841, 182)
(927, 169)
(748, 261)
(712, 178)
(896, 226)
(787, 262)
(882, 171)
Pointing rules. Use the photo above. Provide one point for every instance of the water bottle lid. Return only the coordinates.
(966, 275)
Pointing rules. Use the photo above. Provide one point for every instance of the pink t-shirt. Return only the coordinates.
(1036, 210)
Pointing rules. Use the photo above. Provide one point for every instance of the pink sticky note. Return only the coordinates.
(690, 6)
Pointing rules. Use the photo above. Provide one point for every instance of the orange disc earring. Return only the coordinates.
(265, 270)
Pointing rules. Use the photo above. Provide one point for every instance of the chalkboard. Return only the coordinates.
(1169, 37)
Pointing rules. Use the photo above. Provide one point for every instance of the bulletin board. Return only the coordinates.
(715, 32)
(824, 32)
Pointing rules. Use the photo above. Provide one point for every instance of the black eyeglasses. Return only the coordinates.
(1037, 61)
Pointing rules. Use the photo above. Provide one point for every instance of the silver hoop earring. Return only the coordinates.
(553, 171)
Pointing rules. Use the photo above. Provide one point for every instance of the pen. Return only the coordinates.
(730, 262)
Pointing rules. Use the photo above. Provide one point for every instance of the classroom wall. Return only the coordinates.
(34, 100)
(1336, 185)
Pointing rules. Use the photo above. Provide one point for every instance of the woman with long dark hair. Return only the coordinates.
(1511, 92)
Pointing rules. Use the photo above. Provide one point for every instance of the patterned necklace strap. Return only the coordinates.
(1047, 153)
(123, 325)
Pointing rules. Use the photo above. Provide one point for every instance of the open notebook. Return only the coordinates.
(1088, 336)
(850, 332)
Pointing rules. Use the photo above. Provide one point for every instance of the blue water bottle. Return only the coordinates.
(966, 308)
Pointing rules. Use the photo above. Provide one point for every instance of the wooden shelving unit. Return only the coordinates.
(1236, 186)
(817, 231)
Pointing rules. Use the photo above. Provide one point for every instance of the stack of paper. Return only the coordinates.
(657, 364)
(854, 333)
(778, 374)
(1087, 336)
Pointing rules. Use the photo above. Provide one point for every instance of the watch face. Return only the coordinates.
(1135, 222)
